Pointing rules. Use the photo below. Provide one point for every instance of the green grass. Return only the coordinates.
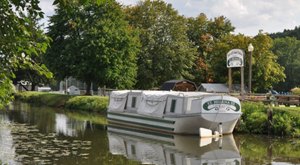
(83, 103)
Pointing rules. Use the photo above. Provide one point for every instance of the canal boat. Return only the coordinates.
(173, 111)
(172, 149)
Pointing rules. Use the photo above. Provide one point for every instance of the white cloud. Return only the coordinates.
(247, 16)
(46, 6)
(48, 9)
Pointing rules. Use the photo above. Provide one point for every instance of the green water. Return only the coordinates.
(41, 135)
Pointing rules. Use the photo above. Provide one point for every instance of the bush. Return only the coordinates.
(282, 124)
(85, 103)
(254, 118)
(88, 103)
(295, 91)
(6, 91)
(285, 121)
(43, 98)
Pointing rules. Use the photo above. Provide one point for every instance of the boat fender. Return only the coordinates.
(203, 132)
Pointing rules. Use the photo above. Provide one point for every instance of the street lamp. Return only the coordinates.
(250, 50)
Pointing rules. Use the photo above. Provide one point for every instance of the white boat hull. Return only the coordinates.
(185, 124)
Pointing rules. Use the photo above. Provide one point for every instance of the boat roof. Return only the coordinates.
(161, 93)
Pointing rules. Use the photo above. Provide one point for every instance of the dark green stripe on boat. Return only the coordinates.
(142, 124)
(143, 117)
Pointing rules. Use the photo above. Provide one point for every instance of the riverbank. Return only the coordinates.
(257, 118)
(83, 103)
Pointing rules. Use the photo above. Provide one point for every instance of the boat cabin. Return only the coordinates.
(156, 103)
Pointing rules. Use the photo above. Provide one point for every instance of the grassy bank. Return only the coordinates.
(83, 103)
(258, 118)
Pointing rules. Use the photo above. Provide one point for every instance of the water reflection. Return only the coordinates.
(6, 142)
(172, 149)
(68, 127)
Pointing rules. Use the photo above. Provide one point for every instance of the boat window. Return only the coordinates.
(172, 158)
(133, 102)
(133, 152)
(173, 106)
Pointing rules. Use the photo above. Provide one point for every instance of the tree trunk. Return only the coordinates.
(33, 87)
(88, 88)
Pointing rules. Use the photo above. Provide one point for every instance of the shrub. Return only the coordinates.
(285, 120)
(43, 98)
(282, 124)
(88, 103)
(295, 91)
(254, 118)
(85, 103)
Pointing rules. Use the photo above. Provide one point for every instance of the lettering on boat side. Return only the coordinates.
(221, 105)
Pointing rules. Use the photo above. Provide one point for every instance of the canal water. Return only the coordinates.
(42, 135)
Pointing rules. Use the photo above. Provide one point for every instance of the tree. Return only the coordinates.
(93, 43)
(266, 72)
(166, 52)
(205, 34)
(19, 41)
(32, 69)
(287, 33)
(288, 52)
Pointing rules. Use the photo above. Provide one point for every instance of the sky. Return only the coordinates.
(247, 16)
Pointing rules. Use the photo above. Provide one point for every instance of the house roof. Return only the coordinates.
(220, 88)
(214, 87)
(169, 85)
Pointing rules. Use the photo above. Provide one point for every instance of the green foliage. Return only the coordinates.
(254, 118)
(214, 41)
(166, 51)
(205, 34)
(285, 120)
(20, 40)
(282, 124)
(6, 91)
(295, 91)
(88, 103)
(287, 33)
(43, 98)
(288, 52)
(265, 69)
(84, 103)
(93, 43)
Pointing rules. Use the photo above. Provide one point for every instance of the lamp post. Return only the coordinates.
(250, 50)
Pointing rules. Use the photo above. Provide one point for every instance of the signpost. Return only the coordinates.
(235, 58)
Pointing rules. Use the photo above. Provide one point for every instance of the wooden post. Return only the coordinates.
(229, 80)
